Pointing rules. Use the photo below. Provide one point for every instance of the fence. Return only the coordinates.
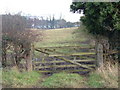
(52, 60)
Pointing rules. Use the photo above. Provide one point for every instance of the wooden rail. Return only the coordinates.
(74, 54)
(112, 52)
(61, 61)
(48, 71)
(89, 47)
(42, 51)
(59, 66)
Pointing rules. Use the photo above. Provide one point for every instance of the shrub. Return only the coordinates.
(14, 78)
(63, 80)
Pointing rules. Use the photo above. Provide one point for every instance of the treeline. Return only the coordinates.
(49, 23)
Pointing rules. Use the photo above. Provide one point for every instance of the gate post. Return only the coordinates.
(29, 60)
(33, 54)
(99, 54)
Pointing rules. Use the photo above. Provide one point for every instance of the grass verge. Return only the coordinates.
(109, 72)
(104, 77)
(15, 79)
(64, 80)
(95, 81)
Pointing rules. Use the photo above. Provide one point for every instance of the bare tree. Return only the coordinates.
(16, 35)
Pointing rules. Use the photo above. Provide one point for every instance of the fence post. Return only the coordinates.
(74, 59)
(29, 61)
(43, 60)
(33, 54)
(99, 54)
(54, 64)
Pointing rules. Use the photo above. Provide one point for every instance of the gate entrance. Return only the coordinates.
(67, 58)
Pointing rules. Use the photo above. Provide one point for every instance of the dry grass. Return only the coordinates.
(109, 72)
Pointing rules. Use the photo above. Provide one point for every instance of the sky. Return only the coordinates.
(43, 8)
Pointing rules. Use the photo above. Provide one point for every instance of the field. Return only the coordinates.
(62, 37)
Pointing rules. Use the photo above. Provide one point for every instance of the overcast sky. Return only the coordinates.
(40, 8)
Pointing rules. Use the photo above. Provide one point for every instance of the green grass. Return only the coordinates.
(60, 37)
(0, 76)
(95, 81)
(63, 80)
(13, 78)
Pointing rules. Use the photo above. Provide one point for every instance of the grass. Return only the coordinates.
(109, 72)
(13, 78)
(0, 76)
(105, 76)
(63, 80)
(60, 37)
(95, 81)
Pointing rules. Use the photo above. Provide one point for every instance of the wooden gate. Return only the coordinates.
(52, 60)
